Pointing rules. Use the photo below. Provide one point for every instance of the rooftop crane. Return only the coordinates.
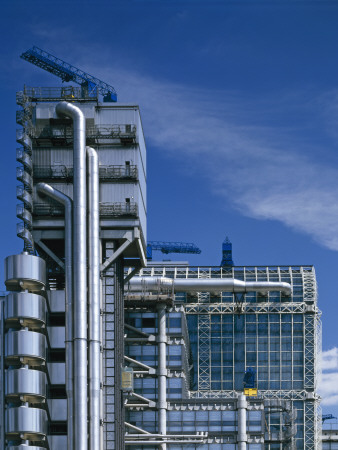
(67, 72)
(171, 247)
(327, 417)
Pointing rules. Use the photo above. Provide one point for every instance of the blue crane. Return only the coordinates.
(67, 72)
(327, 417)
(171, 247)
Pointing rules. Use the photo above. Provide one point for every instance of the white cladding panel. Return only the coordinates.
(118, 115)
(118, 192)
(54, 156)
(117, 156)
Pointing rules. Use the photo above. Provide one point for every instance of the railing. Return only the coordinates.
(31, 94)
(105, 172)
(126, 133)
(117, 209)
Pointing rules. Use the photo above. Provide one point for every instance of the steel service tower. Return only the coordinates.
(83, 218)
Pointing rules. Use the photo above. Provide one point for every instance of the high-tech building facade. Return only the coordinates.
(214, 336)
(99, 352)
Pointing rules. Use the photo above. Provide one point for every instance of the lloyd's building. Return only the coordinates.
(100, 350)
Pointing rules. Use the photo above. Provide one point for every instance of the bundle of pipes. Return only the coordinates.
(79, 345)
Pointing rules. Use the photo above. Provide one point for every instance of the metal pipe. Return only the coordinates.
(150, 443)
(53, 193)
(80, 273)
(199, 435)
(206, 284)
(162, 372)
(94, 300)
(242, 436)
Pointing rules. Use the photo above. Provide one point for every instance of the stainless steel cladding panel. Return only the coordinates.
(25, 271)
(58, 409)
(26, 422)
(26, 383)
(25, 309)
(56, 301)
(26, 345)
(56, 337)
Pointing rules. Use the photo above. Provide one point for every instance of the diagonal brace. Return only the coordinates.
(50, 253)
(105, 266)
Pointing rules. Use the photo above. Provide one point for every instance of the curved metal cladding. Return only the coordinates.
(26, 423)
(25, 351)
(24, 175)
(25, 309)
(25, 272)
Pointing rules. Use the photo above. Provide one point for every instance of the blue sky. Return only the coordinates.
(239, 102)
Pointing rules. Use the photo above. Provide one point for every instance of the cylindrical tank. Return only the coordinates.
(26, 385)
(25, 347)
(26, 423)
(25, 272)
(23, 309)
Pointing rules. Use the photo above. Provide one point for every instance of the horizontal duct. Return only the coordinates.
(206, 285)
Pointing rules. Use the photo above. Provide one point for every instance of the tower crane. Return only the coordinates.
(171, 247)
(67, 72)
(327, 417)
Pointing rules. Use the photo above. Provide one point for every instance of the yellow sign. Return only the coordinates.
(127, 379)
(252, 392)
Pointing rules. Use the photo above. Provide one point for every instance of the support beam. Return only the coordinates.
(131, 274)
(107, 264)
(49, 252)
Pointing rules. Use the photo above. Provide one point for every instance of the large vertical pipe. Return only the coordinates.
(80, 273)
(94, 300)
(68, 205)
(162, 372)
(242, 436)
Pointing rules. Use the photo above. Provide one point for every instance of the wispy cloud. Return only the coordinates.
(264, 158)
(266, 171)
(328, 386)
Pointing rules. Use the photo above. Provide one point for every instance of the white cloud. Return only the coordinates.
(237, 145)
(328, 385)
